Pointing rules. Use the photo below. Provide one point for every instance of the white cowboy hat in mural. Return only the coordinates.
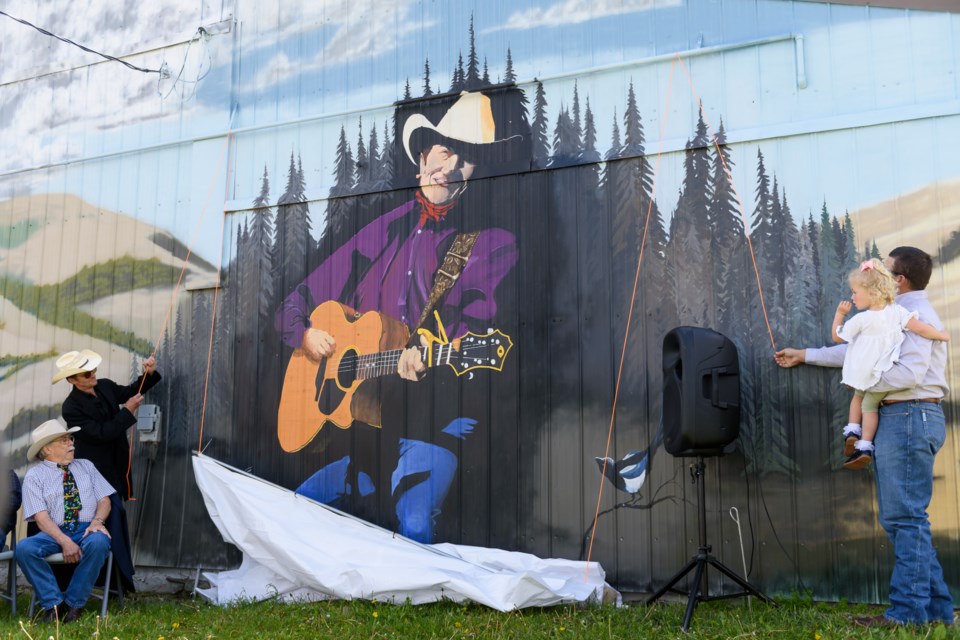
(45, 434)
(73, 362)
(469, 121)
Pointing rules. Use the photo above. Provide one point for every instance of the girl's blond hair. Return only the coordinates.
(876, 280)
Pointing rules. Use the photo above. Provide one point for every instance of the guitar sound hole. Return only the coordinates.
(347, 370)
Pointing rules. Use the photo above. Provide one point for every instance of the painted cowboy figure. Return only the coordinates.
(390, 266)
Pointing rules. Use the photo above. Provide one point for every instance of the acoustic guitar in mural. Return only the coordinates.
(368, 346)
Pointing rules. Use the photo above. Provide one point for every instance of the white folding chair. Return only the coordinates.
(9, 556)
(111, 576)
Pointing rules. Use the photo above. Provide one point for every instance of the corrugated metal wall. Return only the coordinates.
(838, 123)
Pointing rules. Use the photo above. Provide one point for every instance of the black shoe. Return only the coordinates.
(49, 615)
(72, 615)
(859, 460)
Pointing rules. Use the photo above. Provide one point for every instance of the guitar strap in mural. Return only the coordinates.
(453, 264)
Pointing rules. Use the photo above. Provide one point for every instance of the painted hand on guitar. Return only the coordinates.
(317, 344)
(363, 347)
(411, 366)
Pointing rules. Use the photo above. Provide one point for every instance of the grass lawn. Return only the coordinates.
(156, 617)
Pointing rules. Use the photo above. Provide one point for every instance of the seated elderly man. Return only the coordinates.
(70, 501)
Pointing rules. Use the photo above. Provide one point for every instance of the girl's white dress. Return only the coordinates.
(874, 338)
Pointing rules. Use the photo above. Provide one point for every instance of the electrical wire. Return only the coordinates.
(201, 35)
(87, 49)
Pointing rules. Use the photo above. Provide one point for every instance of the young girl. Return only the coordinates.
(875, 337)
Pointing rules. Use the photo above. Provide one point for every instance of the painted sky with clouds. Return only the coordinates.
(343, 59)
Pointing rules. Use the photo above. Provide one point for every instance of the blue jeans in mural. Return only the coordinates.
(419, 483)
(330, 485)
(909, 436)
(419, 505)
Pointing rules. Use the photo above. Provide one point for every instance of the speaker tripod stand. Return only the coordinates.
(699, 590)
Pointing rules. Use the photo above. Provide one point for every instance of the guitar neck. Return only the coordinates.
(383, 363)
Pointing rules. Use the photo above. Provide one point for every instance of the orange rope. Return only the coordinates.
(743, 213)
(173, 295)
(626, 333)
(213, 314)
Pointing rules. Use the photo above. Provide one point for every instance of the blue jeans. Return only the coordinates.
(32, 551)
(428, 470)
(418, 506)
(909, 436)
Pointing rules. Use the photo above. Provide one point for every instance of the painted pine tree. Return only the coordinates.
(762, 230)
(338, 205)
(472, 78)
(509, 75)
(427, 91)
(850, 257)
(361, 168)
(784, 245)
(292, 231)
(831, 274)
(690, 246)
(255, 308)
(752, 423)
(377, 157)
(726, 234)
(458, 81)
(589, 200)
(541, 144)
(576, 124)
(259, 254)
(566, 142)
(385, 168)
(780, 262)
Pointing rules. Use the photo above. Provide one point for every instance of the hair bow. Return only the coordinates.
(866, 265)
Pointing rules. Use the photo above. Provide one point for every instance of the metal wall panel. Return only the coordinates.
(274, 142)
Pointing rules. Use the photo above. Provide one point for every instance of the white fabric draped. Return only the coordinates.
(295, 548)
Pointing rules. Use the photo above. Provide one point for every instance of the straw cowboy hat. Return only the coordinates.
(45, 434)
(469, 122)
(73, 362)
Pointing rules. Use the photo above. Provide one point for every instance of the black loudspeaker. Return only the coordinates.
(701, 392)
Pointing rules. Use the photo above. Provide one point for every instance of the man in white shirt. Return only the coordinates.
(912, 429)
(69, 501)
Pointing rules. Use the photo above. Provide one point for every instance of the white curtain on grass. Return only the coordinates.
(294, 547)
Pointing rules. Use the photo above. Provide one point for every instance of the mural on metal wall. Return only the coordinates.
(391, 450)
(431, 268)
(491, 226)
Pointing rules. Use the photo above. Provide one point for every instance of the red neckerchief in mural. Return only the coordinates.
(71, 500)
(433, 212)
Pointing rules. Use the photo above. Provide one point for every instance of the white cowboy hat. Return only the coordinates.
(73, 362)
(45, 434)
(468, 121)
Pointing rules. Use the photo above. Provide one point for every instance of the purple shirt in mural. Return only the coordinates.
(394, 275)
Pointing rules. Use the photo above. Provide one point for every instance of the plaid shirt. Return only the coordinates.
(43, 490)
